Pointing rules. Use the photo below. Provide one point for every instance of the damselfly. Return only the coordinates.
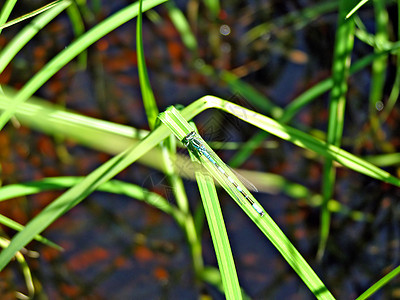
(195, 144)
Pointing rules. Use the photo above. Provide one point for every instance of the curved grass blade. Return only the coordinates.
(72, 51)
(147, 93)
(25, 271)
(29, 31)
(177, 124)
(357, 7)
(32, 13)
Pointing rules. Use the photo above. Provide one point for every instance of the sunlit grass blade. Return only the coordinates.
(113, 186)
(182, 25)
(167, 152)
(219, 236)
(16, 226)
(290, 111)
(149, 101)
(177, 124)
(78, 27)
(340, 72)
(6, 10)
(25, 271)
(32, 13)
(378, 285)
(72, 51)
(379, 66)
(357, 7)
(29, 31)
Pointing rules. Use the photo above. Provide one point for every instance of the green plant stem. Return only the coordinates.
(340, 73)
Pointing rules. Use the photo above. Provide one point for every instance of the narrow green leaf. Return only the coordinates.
(378, 285)
(145, 86)
(32, 13)
(28, 32)
(72, 51)
(16, 226)
(357, 7)
(6, 11)
(340, 72)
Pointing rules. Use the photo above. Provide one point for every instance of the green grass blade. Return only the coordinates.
(16, 226)
(340, 72)
(29, 31)
(378, 285)
(245, 90)
(25, 271)
(182, 25)
(177, 124)
(113, 186)
(32, 13)
(357, 7)
(149, 101)
(212, 210)
(6, 11)
(310, 95)
(294, 136)
(72, 51)
(219, 236)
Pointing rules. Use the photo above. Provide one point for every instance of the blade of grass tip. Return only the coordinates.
(340, 72)
(113, 186)
(244, 89)
(149, 101)
(6, 11)
(292, 135)
(32, 14)
(357, 7)
(379, 66)
(378, 285)
(69, 53)
(78, 27)
(218, 232)
(28, 32)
